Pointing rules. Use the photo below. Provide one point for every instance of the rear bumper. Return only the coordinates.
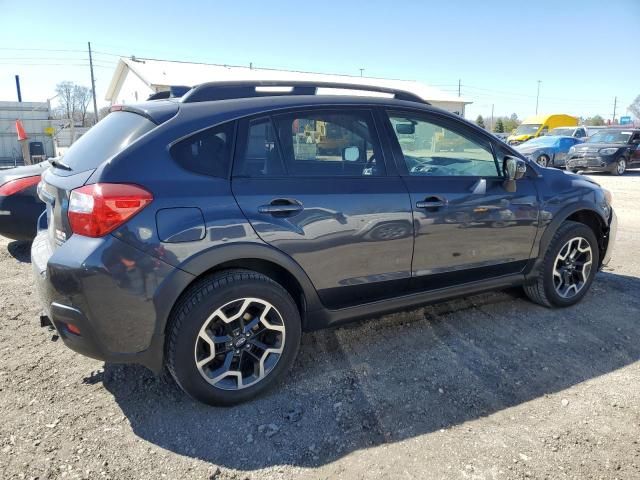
(118, 297)
(611, 238)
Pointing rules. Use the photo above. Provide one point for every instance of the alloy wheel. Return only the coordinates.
(240, 343)
(572, 267)
(621, 166)
(543, 161)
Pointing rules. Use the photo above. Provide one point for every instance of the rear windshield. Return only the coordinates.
(109, 136)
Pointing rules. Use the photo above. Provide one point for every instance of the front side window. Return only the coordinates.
(329, 144)
(207, 152)
(430, 149)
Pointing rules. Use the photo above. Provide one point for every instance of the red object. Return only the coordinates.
(22, 135)
(72, 328)
(15, 186)
(98, 209)
(116, 108)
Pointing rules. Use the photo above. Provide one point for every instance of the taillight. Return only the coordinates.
(15, 186)
(95, 210)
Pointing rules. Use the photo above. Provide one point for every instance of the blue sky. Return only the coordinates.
(584, 52)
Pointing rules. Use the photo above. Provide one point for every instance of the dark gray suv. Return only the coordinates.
(206, 233)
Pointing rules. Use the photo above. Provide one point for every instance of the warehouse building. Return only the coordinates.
(135, 79)
(37, 123)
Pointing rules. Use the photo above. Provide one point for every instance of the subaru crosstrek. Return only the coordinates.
(204, 234)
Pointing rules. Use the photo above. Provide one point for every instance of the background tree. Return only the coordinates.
(65, 99)
(480, 121)
(595, 121)
(73, 102)
(81, 98)
(499, 128)
(511, 123)
(635, 107)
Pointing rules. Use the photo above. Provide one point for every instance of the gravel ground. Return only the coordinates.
(490, 386)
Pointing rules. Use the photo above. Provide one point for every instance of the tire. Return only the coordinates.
(253, 369)
(543, 161)
(542, 287)
(619, 167)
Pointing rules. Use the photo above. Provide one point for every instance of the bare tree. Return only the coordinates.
(81, 98)
(635, 107)
(73, 101)
(65, 91)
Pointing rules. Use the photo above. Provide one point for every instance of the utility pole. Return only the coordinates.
(615, 104)
(361, 70)
(538, 95)
(459, 85)
(93, 84)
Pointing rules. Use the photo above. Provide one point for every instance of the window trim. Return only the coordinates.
(444, 122)
(243, 131)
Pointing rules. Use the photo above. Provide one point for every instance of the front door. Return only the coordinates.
(468, 227)
(315, 185)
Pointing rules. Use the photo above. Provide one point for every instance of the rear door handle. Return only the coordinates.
(282, 207)
(432, 202)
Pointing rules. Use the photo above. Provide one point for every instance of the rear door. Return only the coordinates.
(316, 185)
(468, 227)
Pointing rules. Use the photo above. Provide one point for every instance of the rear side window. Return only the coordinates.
(207, 152)
(109, 136)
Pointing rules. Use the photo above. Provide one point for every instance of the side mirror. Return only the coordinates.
(514, 169)
(351, 154)
(405, 128)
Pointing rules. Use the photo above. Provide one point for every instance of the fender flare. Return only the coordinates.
(551, 229)
(210, 258)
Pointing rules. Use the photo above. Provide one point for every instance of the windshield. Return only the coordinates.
(527, 129)
(541, 142)
(610, 136)
(109, 136)
(562, 131)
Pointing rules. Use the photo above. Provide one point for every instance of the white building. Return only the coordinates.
(135, 79)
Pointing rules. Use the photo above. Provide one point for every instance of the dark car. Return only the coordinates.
(611, 150)
(20, 206)
(548, 151)
(206, 234)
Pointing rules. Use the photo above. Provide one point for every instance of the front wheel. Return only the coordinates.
(620, 166)
(568, 267)
(232, 336)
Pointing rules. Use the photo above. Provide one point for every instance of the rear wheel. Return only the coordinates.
(543, 161)
(568, 267)
(232, 336)
(620, 166)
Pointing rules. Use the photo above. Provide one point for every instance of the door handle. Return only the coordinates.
(432, 202)
(281, 207)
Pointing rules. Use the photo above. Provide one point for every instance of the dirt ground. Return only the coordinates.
(490, 386)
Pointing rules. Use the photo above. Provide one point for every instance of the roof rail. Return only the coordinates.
(268, 88)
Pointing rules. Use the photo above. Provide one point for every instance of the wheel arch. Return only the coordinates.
(581, 212)
(259, 258)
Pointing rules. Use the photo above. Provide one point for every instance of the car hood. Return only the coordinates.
(520, 138)
(14, 173)
(597, 146)
(528, 149)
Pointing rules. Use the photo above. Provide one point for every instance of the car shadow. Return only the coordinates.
(20, 250)
(398, 377)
